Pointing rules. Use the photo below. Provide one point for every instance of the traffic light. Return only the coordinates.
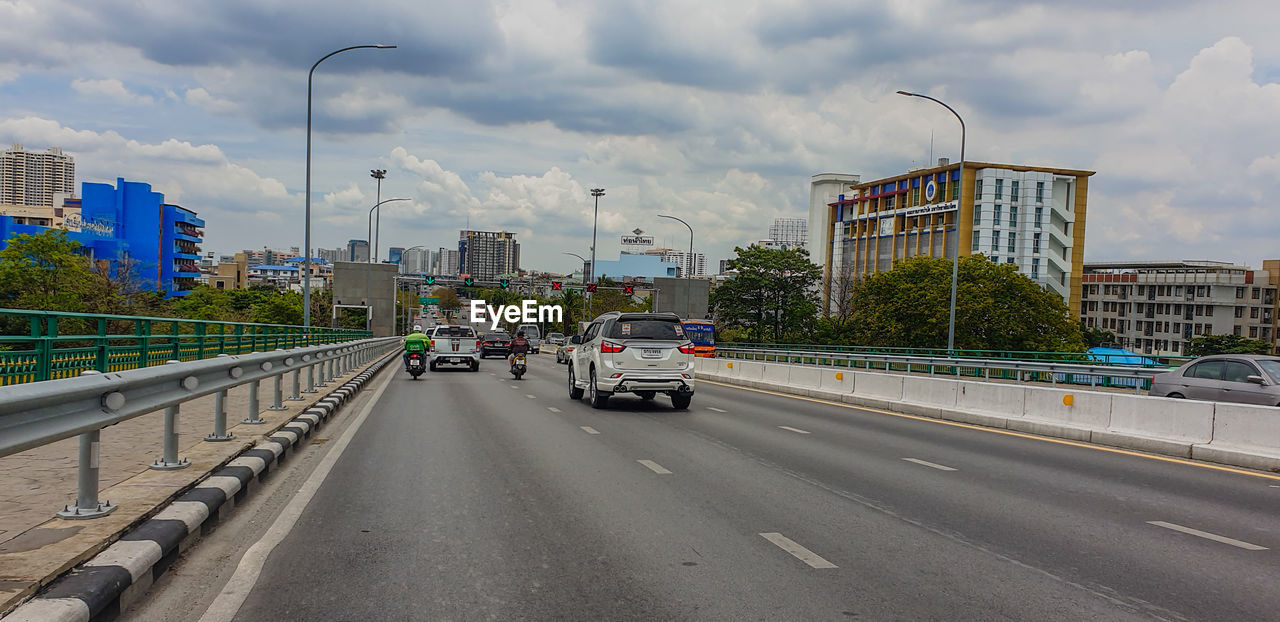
(556, 285)
(431, 280)
(629, 289)
(591, 288)
(504, 283)
(469, 282)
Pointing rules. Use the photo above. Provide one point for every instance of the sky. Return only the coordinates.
(502, 115)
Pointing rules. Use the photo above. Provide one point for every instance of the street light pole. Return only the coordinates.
(688, 273)
(584, 278)
(368, 270)
(955, 260)
(378, 175)
(306, 259)
(597, 193)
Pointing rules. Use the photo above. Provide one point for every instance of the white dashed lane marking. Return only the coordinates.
(800, 553)
(655, 467)
(1208, 536)
(589, 430)
(932, 465)
(553, 409)
(716, 409)
(791, 429)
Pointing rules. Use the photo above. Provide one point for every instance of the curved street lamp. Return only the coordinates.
(688, 273)
(368, 270)
(955, 260)
(306, 259)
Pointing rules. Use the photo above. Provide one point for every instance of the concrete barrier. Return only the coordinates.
(1244, 435)
(1157, 424)
(748, 370)
(828, 382)
(922, 395)
(1004, 400)
(1064, 413)
(777, 374)
(806, 377)
(877, 386)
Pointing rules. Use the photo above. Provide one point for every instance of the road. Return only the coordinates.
(469, 496)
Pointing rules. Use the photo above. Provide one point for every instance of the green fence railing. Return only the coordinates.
(47, 345)
(1151, 361)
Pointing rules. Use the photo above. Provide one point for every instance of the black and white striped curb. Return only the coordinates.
(107, 584)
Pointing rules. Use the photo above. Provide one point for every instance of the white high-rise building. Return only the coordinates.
(681, 259)
(32, 177)
(415, 261)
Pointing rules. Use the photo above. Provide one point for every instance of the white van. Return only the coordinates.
(534, 336)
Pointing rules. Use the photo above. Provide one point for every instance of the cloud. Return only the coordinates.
(200, 97)
(112, 89)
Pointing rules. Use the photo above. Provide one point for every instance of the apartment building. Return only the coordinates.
(34, 177)
(1157, 307)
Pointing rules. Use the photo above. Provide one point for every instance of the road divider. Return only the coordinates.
(1232, 434)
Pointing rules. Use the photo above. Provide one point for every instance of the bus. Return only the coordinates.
(703, 335)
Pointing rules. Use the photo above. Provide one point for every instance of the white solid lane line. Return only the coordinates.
(228, 602)
(553, 409)
(932, 465)
(716, 409)
(1208, 536)
(589, 430)
(800, 553)
(515, 386)
(791, 429)
(530, 396)
(655, 467)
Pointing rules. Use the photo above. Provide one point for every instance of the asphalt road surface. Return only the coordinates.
(466, 496)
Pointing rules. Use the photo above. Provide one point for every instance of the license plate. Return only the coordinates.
(415, 363)
(651, 353)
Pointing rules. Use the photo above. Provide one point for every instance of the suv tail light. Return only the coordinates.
(477, 344)
(686, 348)
(609, 347)
(432, 344)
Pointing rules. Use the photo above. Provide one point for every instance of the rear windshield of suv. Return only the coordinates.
(669, 330)
(455, 331)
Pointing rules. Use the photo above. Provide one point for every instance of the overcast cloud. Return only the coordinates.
(504, 114)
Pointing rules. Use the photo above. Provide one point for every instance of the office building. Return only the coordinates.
(358, 251)
(631, 266)
(270, 256)
(446, 263)
(485, 255)
(1156, 307)
(681, 259)
(33, 178)
(1026, 216)
(789, 232)
(394, 254)
(331, 255)
(415, 261)
(129, 229)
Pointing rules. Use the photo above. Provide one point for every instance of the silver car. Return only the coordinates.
(640, 353)
(1241, 378)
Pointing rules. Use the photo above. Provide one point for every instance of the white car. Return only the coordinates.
(454, 345)
(640, 353)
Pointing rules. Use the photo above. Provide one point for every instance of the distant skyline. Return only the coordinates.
(502, 115)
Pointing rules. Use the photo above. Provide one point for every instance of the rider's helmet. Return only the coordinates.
(417, 328)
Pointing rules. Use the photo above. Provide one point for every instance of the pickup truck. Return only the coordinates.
(454, 345)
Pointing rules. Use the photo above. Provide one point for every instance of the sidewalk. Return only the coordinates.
(36, 547)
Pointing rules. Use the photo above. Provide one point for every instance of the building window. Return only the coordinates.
(977, 215)
(1039, 216)
(915, 196)
(1237, 332)
(975, 243)
(1208, 310)
(1142, 290)
(995, 259)
(1253, 313)
(1239, 311)
(1013, 246)
(1013, 191)
(1253, 332)
(1239, 292)
(995, 241)
(999, 189)
(1013, 215)
(1039, 192)
(1256, 293)
(1009, 260)
(995, 218)
(977, 191)
(1035, 271)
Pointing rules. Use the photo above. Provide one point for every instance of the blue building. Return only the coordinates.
(129, 225)
(635, 266)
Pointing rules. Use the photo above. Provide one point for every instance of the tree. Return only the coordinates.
(997, 308)
(1096, 336)
(42, 271)
(448, 298)
(1226, 344)
(773, 294)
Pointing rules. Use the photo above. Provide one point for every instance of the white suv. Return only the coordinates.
(640, 353)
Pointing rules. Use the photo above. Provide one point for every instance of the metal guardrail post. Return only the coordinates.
(277, 396)
(87, 503)
(254, 408)
(219, 419)
(296, 396)
(311, 376)
(170, 461)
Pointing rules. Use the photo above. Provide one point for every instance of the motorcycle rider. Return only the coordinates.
(519, 345)
(415, 342)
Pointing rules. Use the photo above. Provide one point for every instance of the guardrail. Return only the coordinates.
(1139, 378)
(36, 414)
(47, 345)
(1015, 355)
